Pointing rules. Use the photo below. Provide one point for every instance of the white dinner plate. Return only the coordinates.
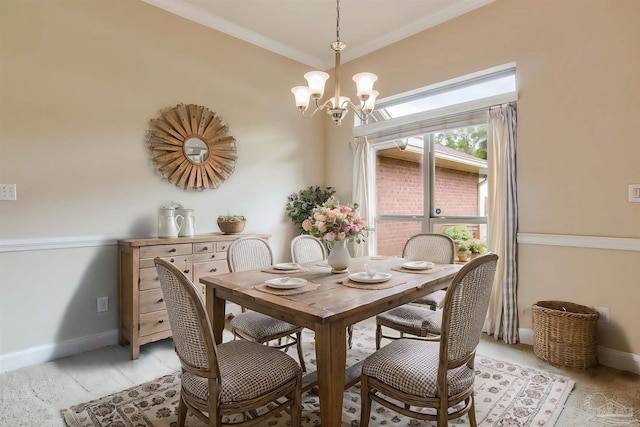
(418, 265)
(363, 277)
(286, 266)
(286, 283)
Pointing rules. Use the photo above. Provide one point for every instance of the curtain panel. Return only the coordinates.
(361, 190)
(502, 316)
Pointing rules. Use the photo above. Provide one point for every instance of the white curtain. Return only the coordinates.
(361, 190)
(502, 316)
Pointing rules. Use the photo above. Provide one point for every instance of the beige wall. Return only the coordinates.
(578, 64)
(79, 83)
(80, 80)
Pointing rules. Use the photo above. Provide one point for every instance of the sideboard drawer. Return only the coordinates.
(166, 250)
(181, 261)
(222, 246)
(152, 300)
(209, 268)
(213, 256)
(206, 247)
(149, 274)
(149, 279)
(153, 322)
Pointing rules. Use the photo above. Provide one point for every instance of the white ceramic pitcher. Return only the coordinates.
(186, 222)
(167, 224)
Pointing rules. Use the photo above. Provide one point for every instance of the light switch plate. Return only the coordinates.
(102, 304)
(634, 193)
(8, 192)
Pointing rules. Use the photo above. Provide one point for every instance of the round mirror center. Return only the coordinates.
(196, 150)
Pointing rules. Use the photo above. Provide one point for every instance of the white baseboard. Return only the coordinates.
(606, 356)
(47, 353)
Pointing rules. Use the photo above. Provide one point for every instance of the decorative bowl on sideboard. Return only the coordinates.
(231, 224)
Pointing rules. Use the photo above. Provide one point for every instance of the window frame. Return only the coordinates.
(390, 133)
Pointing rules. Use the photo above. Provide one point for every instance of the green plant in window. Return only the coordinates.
(458, 233)
(301, 204)
(463, 248)
(478, 246)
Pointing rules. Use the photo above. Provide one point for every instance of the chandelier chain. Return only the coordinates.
(338, 20)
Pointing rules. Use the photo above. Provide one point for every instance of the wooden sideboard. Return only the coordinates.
(142, 312)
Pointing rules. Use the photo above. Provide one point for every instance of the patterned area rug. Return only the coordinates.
(506, 395)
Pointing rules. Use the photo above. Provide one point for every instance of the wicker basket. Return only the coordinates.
(565, 334)
(231, 227)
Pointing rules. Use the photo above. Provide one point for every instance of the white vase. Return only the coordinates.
(339, 257)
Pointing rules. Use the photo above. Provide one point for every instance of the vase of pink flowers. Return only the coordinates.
(336, 225)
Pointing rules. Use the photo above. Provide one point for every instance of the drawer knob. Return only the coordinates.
(206, 248)
(161, 321)
(161, 300)
(172, 250)
(213, 270)
(172, 260)
(186, 271)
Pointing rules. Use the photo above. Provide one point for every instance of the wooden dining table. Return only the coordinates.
(333, 303)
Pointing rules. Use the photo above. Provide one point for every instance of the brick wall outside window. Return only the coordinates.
(456, 192)
(393, 235)
(399, 192)
(399, 185)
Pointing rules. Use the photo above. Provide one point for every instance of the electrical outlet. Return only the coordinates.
(604, 314)
(103, 304)
(8, 192)
(634, 193)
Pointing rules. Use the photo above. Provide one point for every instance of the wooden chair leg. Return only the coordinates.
(472, 413)
(296, 405)
(378, 336)
(300, 354)
(365, 403)
(182, 412)
(350, 336)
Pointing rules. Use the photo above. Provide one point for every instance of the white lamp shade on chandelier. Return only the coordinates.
(315, 90)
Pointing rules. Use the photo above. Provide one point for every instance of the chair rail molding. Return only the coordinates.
(593, 242)
(45, 243)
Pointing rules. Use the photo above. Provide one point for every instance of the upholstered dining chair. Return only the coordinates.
(433, 247)
(435, 374)
(251, 253)
(307, 248)
(230, 379)
(423, 316)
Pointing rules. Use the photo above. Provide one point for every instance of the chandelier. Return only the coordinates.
(338, 106)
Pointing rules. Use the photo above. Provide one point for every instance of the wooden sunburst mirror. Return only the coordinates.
(191, 147)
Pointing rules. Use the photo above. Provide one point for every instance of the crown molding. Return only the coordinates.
(411, 28)
(195, 14)
(208, 19)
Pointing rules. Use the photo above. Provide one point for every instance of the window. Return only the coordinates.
(430, 151)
